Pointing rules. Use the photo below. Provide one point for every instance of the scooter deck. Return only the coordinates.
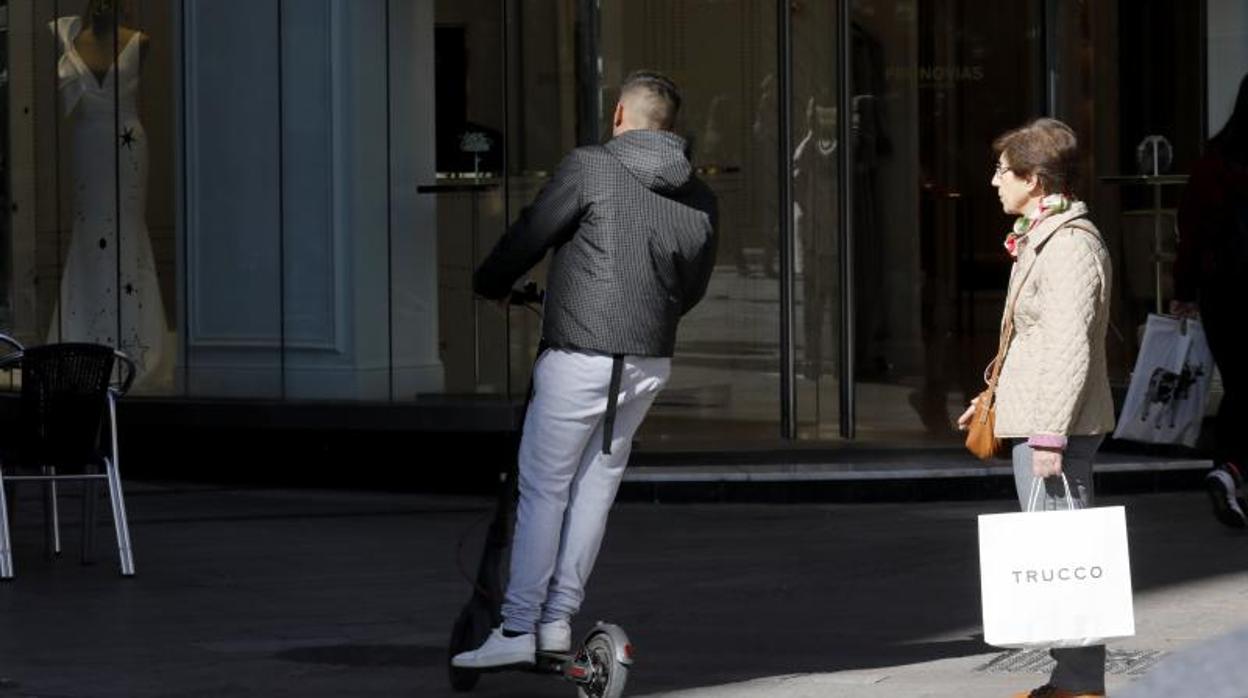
(546, 663)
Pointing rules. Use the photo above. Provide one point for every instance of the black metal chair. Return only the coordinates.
(66, 391)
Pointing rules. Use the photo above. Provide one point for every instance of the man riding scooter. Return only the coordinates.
(633, 232)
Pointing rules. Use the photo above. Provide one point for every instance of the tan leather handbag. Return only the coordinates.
(980, 438)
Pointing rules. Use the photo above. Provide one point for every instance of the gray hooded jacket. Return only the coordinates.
(633, 232)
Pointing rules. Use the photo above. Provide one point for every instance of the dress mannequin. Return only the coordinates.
(109, 291)
(816, 226)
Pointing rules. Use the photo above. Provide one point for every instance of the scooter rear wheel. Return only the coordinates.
(470, 630)
(610, 674)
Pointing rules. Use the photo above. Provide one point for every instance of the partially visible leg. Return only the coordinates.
(569, 398)
(1078, 669)
(1221, 315)
(1227, 343)
(567, 406)
(595, 485)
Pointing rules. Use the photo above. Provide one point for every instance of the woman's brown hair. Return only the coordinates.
(1046, 148)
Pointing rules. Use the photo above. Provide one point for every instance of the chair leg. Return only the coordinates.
(51, 514)
(90, 495)
(6, 553)
(119, 518)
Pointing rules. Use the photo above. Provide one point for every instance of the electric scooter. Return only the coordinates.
(598, 666)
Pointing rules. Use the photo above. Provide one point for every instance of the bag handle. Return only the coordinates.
(1038, 483)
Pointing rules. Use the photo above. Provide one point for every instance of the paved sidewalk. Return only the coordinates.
(314, 593)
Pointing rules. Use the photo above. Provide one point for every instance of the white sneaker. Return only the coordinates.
(498, 650)
(1223, 493)
(555, 636)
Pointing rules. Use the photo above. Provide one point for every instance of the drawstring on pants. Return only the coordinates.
(613, 396)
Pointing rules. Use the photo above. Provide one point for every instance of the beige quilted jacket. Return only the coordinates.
(1054, 380)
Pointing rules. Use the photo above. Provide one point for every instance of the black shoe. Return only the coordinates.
(1228, 508)
(1051, 691)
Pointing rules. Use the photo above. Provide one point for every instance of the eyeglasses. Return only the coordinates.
(999, 169)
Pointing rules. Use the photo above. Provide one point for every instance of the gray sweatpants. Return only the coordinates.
(1079, 669)
(567, 484)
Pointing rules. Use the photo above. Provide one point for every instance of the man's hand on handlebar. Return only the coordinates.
(526, 295)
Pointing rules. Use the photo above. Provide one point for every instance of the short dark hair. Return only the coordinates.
(661, 98)
(1046, 148)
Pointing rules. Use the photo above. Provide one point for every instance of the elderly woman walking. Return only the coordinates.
(1053, 400)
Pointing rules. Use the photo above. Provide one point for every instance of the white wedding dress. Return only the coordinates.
(109, 289)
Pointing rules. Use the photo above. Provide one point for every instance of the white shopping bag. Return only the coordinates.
(1166, 399)
(1055, 578)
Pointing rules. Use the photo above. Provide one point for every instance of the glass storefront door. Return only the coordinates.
(945, 77)
(725, 387)
(911, 262)
(913, 266)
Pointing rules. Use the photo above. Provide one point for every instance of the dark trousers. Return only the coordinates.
(1222, 314)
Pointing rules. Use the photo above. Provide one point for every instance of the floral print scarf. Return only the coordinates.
(1049, 205)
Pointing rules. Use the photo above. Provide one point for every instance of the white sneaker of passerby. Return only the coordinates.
(555, 636)
(498, 650)
(1223, 491)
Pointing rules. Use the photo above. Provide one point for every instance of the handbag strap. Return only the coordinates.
(1007, 333)
(1007, 328)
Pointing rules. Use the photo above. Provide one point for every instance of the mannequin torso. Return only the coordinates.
(97, 46)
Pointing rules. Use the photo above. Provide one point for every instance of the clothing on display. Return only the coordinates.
(109, 292)
(816, 224)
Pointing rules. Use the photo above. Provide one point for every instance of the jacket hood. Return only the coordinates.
(656, 158)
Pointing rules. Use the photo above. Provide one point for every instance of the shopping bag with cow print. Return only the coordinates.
(1166, 399)
(1055, 578)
